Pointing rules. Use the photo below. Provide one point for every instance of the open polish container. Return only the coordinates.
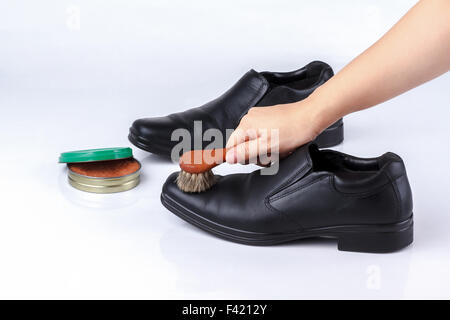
(106, 170)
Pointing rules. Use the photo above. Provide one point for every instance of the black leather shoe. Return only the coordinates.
(225, 112)
(366, 204)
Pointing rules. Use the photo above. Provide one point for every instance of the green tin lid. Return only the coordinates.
(95, 155)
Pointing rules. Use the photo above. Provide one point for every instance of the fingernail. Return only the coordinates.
(231, 156)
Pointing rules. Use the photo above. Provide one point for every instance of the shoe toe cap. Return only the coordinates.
(198, 205)
(195, 202)
(224, 205)
(153, 128)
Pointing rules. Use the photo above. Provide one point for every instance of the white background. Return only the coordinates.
(66, 86)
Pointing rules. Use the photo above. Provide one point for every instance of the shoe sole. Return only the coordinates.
(380, 238)
(331, 137)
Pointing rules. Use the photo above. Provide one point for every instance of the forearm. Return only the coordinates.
(415, 50)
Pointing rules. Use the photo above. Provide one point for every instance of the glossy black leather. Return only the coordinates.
(225, 112)
(312, 189)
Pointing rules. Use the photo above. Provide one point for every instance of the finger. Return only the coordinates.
(285, 154)
(263, 163)
(237, 137)
(244, 153)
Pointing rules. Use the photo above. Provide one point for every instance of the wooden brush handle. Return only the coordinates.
(199, 161)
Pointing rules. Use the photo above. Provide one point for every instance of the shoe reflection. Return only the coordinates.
(304, 269)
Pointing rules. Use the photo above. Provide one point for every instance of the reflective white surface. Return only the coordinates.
(68, 86)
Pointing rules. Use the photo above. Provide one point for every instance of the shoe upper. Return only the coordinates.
(225, 112)
(313, 188)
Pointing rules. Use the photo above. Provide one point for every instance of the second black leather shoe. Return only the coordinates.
(225, 112)
(366, 204)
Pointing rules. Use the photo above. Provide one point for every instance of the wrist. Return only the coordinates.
(323, 110)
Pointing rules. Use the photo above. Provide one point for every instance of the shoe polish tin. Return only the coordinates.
(106, 170)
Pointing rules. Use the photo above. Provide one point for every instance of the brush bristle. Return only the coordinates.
(195, 182)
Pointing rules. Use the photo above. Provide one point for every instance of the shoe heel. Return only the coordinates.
(331, 137)
(376, 242)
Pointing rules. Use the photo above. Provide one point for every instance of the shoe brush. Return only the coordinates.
(196, 169)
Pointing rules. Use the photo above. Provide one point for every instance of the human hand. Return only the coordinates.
(275, 130)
